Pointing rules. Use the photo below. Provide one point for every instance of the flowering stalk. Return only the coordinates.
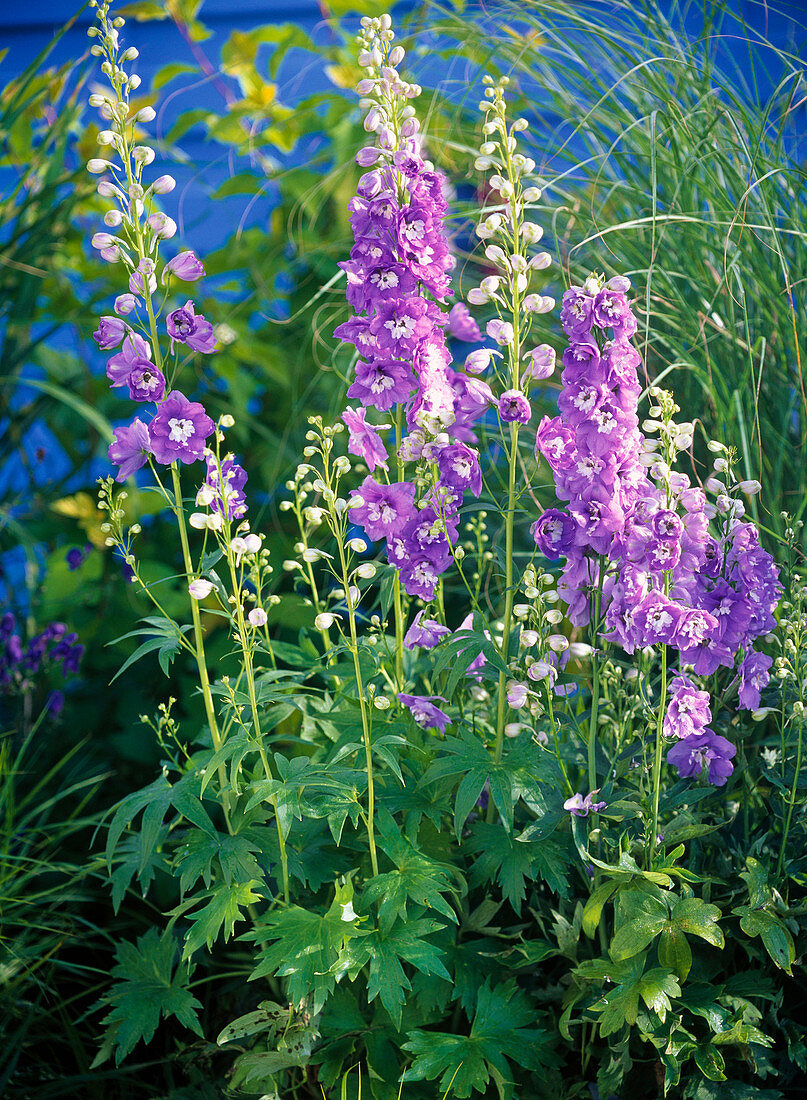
(508, 291)
(397, 280)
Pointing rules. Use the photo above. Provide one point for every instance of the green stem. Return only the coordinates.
(657, 759)
(365, 722)
(249, 671)
(398, 602)
(501, 707)
(792, 801)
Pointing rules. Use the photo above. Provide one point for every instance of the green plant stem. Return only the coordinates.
(249, 671)
(792, 801)
(501, 702)
(398, 602)
(657, 758)
(365, 721)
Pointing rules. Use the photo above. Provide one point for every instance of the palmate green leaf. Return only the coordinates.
(150, 985)
(518, 770)
(416, 878)
(506, 860)
(221, 912)
(386, 951)
(306, 948)
(234, 854)
(499, 1032)
(154, 802)
(620, 1005)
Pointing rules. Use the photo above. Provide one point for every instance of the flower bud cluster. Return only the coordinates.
(180, 428)
(510, 239)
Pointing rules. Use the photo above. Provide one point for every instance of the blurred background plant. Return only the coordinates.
(670, 140)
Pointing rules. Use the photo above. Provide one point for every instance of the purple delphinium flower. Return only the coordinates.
(514, 407)
(180, 430)
(382, 383)
(227, 490)
(131, 448)
(188, 327)
(556, 443)
(656, 619)
(424, 632)
(383, 509)
(582, 807)
(461, 324)
(459, 468)
(754, 676)
(425, 713)
(186, 266)
(554, 533)
(145, 381)
(110, 332)
(119, 367)
(706, 749)
(688, 711)
(364, 439)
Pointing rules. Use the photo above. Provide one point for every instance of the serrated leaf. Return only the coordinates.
(221, 913)
(149, 986)
(499, 1032)
(405, 942)
(646, 916)
(306, 948)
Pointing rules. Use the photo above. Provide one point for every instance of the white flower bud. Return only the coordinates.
(146, 114)
(324, 620)
(366, 570)
(163, 185)
(200, 588)
(142, 154)
(96, 166)
(751, 488)
(258, 617)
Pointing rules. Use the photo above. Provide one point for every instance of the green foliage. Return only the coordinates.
(500, 1031)
(151, 984)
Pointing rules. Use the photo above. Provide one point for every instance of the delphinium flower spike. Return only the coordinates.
(398, 282)
(510, 239)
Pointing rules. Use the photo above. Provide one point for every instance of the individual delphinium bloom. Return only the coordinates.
(185, 326)
(134, 349)
(223, 488)
(145, 381)
(130, 449)
(462, 325)
(582, 807)
(110, 332)
(704, 750)
(382, 510)
(554, 533)
(425, 712)
(688, 711)
(424, 632)
(382, 383)
(364, 439)
(180, 430)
